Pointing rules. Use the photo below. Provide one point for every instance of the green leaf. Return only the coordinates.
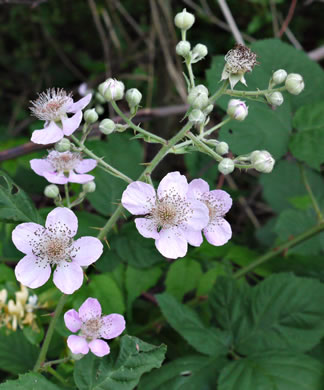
(198, 164)
(15, 205)
(135, 358)
(182, 277)
(209, 341)
(7, 274)
(273, 370)
(30, 381)
(308, 143)
(209, 278)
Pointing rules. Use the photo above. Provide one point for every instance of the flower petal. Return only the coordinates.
(88, 250)
(112, 326)
(194, 238)
(81, 179)
(40, 166)
(80, 104)
(99, 347)
(90, 309)
(32, 272)
(68, 277)
(56, 178)
(64, 217)
(138, 198)
(218, 232)
(173, 183)
(71, 124)
(25, 235)
(172, 243)
(220, 201)
(72, 320)
(146, 227)
(77, 344)
(197, 187)
(86, 165)
(49, 135)
(198, 217)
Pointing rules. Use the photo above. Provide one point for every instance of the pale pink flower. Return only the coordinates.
(53, 246)
(52, 107)
(218, 231)
(92, 326)
(171, 218)
(64, 167)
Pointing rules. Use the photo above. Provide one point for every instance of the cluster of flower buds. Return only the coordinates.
(237, 109)
(199, 101)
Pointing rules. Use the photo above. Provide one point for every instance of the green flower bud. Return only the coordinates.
(133, 97)
(222, 148)
(198, 101)
(199, 89)
(89, 187)
(197, 117)
(90, 116)
(294, 83)
(112, 89)
(64, 145)
(184, 20)
(237, 109)
(208, 109)
(107, 126)
(51, 191)
(262, 161)
(279, 76)
(183, 48)
(275, 98)
(199, 52)
(99, 109)
(100, 98)
(226, 166)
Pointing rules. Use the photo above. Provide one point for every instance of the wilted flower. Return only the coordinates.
(52, 107)
(92, 326)
(53, 246)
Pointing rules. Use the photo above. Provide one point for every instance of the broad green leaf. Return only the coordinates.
(194, 372)
(135, 358)
(273, 371)
(15, 205)
(6, 274)
(30, 381)
(206, 340)
(89, 224)
(198, 164)
(182, 277)
(308, 143)
(207, 281)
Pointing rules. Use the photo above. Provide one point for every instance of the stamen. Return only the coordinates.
(65, 161)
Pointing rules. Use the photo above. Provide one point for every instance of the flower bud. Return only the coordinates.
(183, 48)
(275, 98)
(208, 109)
(107, 126)
(90, 116)
(199, 89)
(63, 145)
(198, 101)
(237, 109)
(279, 76)
(51, 191)
(199, 51)
(99, 109)
(89, 187)
(100, 98)
(294, 83)
(226, 166)
(133, 97)
(112, 89)
(197, 117)
(262, 161)
(222, 148)
(184, 20)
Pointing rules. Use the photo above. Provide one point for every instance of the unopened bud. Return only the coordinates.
(183, 48)
(279, 76)
(112, 89)
(237, 109)
(208, 109)
(184, 20)
(222, 148)
(226, 166)
(262, 161)
(275, 98)
(90, 116)
(197, 117)
(100, 110)
(63, 145)
(199, 51)
(294, 83)
(198, 101)
(100, 98)
(133, 97)
(89, 187)
(107, 126)
(51, 191)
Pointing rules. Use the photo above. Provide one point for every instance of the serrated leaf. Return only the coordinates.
(30, 381)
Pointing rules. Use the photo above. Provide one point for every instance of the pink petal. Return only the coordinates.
(86, 165)
(90, 309)
(32, 272)
(138, 198)
(172, 243)
(194, 238)
(112, 326)
(99, 347)
(77, 344)
(49, 135)
(68, 277)
(81, 179)
(56, 178)
(218, 232)
(64, 217)
(220, 200)
(198, 217)
(25, 235)
(146, 227)
(88, 250)
(41, 166)
(80, 104)
(197, 187)
(173, 183)
(71, 124)
(72, 320)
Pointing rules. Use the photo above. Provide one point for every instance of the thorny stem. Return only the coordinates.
(220, 92)
(233, 92)
(58, 361)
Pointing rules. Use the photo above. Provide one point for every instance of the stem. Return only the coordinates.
(190, 72)
(276, 251)
(253, 93)
(220, 92)
(58, 361)
(203, 147)
(67, 195)
(49, 334)
(56, 375)
(211, 130)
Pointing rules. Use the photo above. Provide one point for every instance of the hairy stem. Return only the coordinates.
(233, 92)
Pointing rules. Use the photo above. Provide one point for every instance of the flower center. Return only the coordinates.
(240, 59)
(91, 328)
(65, 161)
